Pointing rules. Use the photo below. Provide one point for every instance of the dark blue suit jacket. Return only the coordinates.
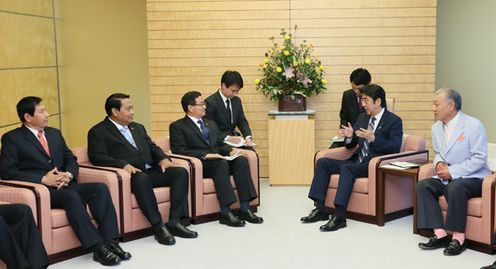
(388, 135)
(23, 157)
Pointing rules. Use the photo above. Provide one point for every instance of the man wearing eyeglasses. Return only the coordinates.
(120, 142)
(199, 137)
(225, 108)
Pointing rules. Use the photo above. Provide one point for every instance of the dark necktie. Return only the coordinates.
(228, 103)
(204, 130)
(365, 148)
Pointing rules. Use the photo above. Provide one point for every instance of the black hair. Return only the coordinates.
(232, 78)
(360, 76)
(189, 99)
(375, 92)
(27, 105)
(114, 101)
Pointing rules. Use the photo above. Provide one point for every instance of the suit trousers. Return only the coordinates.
(457, 193)
(142, 184)
(220, 170)
(20, 243)
(74, 199)
(348, 171)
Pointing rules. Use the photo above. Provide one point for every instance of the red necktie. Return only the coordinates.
(43, 142)
(360, 107)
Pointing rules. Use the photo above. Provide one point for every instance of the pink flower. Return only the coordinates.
(288, 72)
(305, 81)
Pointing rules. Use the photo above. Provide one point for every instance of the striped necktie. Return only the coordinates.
(365, 148)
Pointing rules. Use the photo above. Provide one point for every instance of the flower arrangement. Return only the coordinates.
(290, 70)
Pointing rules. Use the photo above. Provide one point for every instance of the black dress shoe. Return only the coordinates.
(181, 231)
(455, 248)
(492, 266)
(117, 250)
(333, 225)
(314, 216)
(249, 216)
(230, 220)
(104, 256)
(435, 243)
(164, 237)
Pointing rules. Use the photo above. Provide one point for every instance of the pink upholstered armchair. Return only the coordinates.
(481, 216)
(10, 195)
(58, 237)
(205, 205)
(365, 199)
(133, 223)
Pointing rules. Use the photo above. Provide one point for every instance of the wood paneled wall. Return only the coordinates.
(28, 63)
(191, 43)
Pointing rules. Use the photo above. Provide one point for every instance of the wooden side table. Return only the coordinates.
(381, 193)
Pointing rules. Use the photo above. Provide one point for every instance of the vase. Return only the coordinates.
(296, 103)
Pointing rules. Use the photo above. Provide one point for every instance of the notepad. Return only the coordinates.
(405, 165)
(241, 143)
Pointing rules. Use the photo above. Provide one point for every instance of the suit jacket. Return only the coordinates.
(466, 150)
(388, 135)
(107, 146)
(349, 108)
(23, 157)
(187, 139)
(216, 111)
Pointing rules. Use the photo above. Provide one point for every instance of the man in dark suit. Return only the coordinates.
(20, 243)
(351, 105)
(225, 109)
(376, 132)
(119, 142)
(196, 136)
(39, 154)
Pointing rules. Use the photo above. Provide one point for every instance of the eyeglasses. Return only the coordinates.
(200, 104)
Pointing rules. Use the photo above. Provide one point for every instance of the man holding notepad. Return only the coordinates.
(225, 108)
(199, 137)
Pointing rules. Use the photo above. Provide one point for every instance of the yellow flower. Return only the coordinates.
(324, 81)
(321, 67)
(266, 60)
(286, 52)
(307, 61)
(279, 70)
(280, 48)
(287, 37)
(257, 81)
